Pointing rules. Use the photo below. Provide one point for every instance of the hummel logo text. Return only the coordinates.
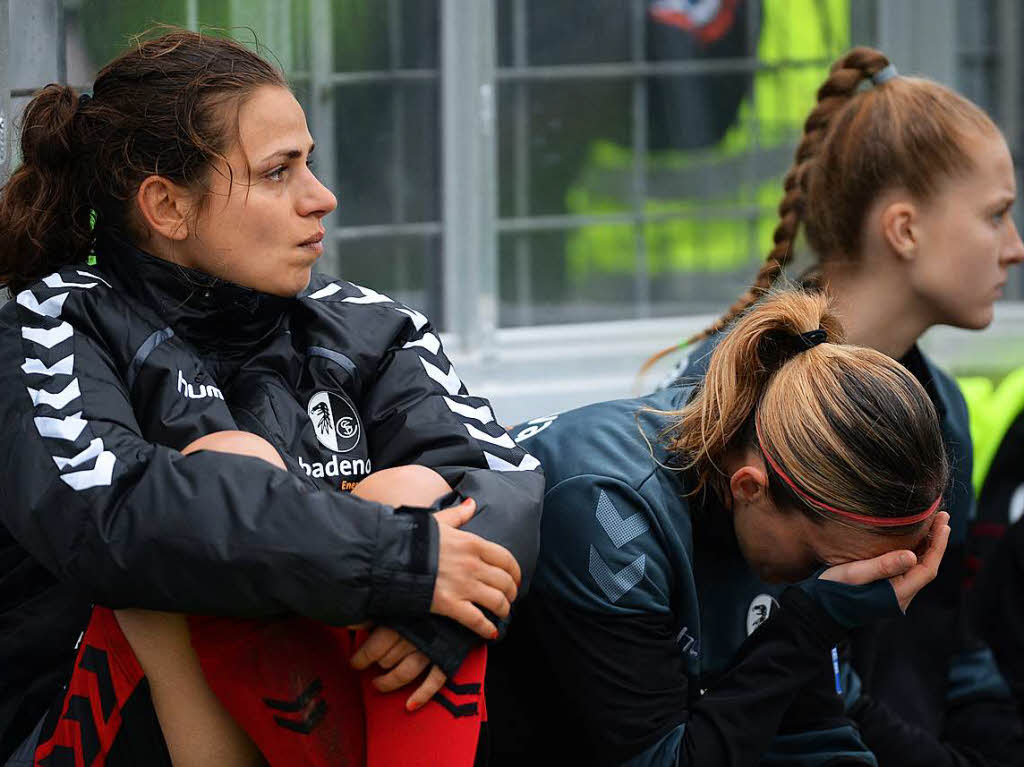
(204, 391)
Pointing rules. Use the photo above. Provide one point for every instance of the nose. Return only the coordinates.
(316, 200)
(1014, 252)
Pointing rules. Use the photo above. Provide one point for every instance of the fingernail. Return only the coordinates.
(906, 560)
(494, 635)
(410, 706)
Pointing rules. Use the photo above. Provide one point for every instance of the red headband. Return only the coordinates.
(862, 518)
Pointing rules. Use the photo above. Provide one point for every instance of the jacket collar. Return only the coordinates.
(212, 314)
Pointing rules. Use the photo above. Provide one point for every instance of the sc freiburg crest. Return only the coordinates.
(335, 421)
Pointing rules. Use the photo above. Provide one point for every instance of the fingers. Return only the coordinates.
(469, 615)
(499, 579)
(907, 586)
(381, 640)
(456, 516)
(406, 671)
(397, 653)
(493, 599)
(938, 537)
(431, 686)
(888, 565)
(499, 556)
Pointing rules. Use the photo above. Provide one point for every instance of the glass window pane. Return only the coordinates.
(408, 269)
(386, 144)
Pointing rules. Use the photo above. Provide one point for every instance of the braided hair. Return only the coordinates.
(905, 132)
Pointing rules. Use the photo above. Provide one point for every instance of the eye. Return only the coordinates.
(277, 174)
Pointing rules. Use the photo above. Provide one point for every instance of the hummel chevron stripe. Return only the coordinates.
(430, 342)
(61, 428)
(48, 337)
(56, 281)
(64, 367)
(615, 585)
(94, 449)
(56, 400)
(502, 441)
(620, 530)
(51, 307)
(450, 380)
(100, 474)
(482, 414)
(494, 463)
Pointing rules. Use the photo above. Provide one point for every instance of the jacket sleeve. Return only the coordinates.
(602, 621)
(980, 728)
(418, 411)
(139, 524)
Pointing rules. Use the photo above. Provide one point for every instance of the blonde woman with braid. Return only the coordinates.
(903, 190)
(802, 459)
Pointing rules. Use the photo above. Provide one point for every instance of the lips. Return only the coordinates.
(314, 240)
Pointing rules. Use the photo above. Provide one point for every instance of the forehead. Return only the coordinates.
(271, 120)
(993, 165)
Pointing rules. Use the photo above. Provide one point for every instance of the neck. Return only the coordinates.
(875, 309)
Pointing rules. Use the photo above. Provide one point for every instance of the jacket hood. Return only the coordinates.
(212, 314)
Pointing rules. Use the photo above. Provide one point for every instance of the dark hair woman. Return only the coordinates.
(199, 424)
(798, 454)
(904, 191)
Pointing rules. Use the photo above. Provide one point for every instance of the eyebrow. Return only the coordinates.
(286, 154)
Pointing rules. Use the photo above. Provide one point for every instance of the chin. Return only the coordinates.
(293, 286)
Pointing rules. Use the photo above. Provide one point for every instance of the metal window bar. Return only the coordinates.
(5, 92)
(521, 180)
(641, 276)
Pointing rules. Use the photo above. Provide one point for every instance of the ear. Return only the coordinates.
(164, 207)
(900, 228)
(748, 484)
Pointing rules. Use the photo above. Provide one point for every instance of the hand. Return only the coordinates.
(906, 574)
(391, 650)
(472, 571)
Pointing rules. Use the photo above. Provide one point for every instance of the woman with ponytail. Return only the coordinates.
(800, 459)
(903, 190)
(232, 485)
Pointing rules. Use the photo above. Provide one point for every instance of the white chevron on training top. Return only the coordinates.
(328, 290)
(48, 337)
(94, 449)
(58, 400)
(64, 367)
(430, 342)
(482, 414)
(93, 276)
(494, 463)
(418, 320)
(100, 474)
(51, 307)
(450, 380)
(369, 296)
(503, 441)
(56, 281)
(61, 428)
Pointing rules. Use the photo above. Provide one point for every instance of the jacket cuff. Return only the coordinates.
(802, 611)
(404, 564)
(441, 639)
(853, 606)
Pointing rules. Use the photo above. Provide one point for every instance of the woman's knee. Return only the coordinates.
(238, 443)
(411, 485)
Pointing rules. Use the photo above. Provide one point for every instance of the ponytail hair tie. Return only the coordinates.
(83, 100)
(812, 338)
(884, 75)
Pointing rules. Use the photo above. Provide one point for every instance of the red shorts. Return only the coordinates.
(286, 682)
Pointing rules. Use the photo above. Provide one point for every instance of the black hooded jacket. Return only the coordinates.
(108, 371)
